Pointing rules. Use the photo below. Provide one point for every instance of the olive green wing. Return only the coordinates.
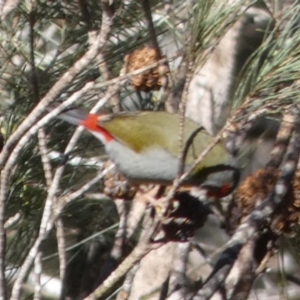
(142, 130)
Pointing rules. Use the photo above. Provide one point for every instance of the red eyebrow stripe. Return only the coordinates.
(91, 123)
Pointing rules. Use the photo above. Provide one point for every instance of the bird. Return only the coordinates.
(145, 147)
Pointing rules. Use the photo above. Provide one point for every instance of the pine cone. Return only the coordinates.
(116, 185)
(152, 79)
(286, 221)
(255, 189)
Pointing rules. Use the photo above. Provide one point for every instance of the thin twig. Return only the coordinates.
(151, 28)
(242, 274)
(61, 247)
(101, 60)
(177, 282)
(282, 141)
(12, 221)
(124, 292)
(117, 251)
(42, 139)
(38, 269)
(61, 244)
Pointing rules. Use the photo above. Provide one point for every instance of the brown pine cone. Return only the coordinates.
(151, 79)
(116, 185)
(255, 189)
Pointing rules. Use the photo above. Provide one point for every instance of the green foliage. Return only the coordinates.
(270, 78)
